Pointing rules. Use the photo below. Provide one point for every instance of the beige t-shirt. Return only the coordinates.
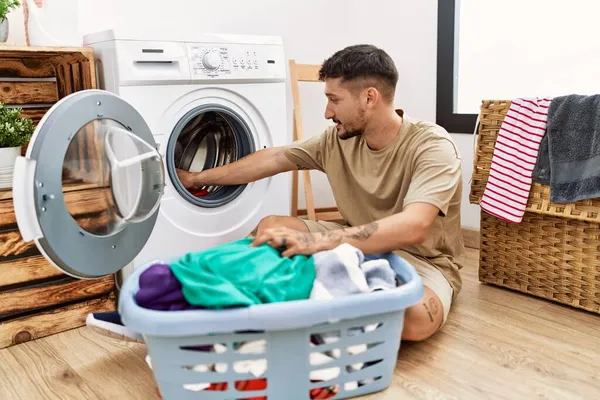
(422, 164)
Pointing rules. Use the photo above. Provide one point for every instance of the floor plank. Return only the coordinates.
(39, 372)
(497, 344)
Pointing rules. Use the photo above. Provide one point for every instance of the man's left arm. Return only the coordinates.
(397, 231)
(394, 232)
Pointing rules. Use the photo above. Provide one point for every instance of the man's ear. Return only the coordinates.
(372, 96)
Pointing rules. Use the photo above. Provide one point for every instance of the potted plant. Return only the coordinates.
(5, 7)
(15, 131)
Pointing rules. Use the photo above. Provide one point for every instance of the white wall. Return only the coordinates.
(311, 30)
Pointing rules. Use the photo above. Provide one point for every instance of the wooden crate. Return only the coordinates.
(37, 77)
(36, 299)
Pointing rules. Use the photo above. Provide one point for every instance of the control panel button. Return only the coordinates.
(211, 60)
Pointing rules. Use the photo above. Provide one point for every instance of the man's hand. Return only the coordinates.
(187, 178)
(294, 242)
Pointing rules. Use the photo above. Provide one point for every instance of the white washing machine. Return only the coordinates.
(166, 103)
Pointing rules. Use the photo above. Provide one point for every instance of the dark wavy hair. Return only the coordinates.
(363, 65)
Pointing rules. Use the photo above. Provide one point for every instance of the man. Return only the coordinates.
(396, 182)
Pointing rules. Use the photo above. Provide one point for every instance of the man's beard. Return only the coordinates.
(348, 134)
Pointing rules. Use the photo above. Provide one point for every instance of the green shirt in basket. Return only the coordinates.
(235, 274)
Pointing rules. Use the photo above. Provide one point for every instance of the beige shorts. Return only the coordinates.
(431, 276)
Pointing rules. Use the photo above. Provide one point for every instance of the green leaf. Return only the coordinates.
(6, 6)
(14, 129)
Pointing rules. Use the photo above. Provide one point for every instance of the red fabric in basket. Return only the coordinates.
(261, 384)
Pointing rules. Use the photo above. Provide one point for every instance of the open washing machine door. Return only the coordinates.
(95, 140)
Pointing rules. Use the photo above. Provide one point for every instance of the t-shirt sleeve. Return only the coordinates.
(437, 175)
(308, 153)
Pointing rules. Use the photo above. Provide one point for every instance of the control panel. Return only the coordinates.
(239, 61)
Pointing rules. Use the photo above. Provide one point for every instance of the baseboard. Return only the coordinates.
(471, 238)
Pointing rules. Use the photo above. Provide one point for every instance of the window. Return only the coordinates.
(513, 48)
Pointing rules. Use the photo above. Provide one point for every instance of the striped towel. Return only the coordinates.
(515, 154)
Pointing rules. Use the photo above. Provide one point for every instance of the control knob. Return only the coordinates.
(211, 60)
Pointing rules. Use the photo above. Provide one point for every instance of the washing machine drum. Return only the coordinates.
(205, 138)
(96, 141)
(206, 142)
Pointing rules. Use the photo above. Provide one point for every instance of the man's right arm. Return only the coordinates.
(258, 165)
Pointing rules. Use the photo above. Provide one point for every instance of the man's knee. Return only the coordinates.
(279, 221)
(417, 329)
(271, 221)
(422, 320)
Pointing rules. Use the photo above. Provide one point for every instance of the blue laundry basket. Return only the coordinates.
(291, 347)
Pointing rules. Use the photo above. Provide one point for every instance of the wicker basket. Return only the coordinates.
(554, 253)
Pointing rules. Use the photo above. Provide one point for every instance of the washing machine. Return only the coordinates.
(163, 104)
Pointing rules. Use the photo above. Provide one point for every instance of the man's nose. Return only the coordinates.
(328, 114)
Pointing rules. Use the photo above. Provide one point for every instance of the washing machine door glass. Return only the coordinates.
(89, 188)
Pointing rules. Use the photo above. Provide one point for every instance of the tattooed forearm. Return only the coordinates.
(305, 238)
(334, 237)
(365, 232)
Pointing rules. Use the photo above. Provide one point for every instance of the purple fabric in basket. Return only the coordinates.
(161, 290)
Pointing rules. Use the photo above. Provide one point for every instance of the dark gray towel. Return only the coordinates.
(569, 154)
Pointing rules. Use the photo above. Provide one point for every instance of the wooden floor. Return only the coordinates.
(497, 344)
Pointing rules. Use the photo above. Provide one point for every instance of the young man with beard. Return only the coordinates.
(397, 182)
